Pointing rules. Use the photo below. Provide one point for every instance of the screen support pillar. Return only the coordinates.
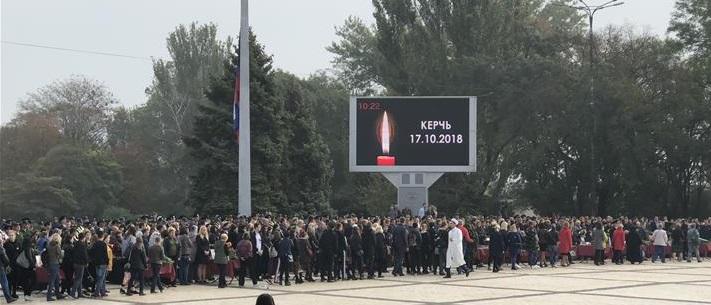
(412, 188)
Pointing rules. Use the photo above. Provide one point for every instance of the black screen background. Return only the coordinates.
(407, 115)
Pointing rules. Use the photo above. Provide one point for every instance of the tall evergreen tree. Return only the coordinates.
(214, 150)
(309, 168)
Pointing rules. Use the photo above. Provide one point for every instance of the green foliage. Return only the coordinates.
(93, 177)
(29, 195)
(114, 212)
(67, 152)
(309, 167)
(528, 63)
(213, 147)
(24, 140)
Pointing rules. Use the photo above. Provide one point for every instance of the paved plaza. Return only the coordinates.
(583, 283)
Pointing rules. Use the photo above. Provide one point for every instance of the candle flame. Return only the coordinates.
(385, 133)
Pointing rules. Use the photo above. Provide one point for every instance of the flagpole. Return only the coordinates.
(245, 168)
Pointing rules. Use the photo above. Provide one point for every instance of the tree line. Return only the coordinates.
(639, 143)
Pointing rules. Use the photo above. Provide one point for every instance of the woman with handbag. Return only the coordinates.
(246, 260)
(306, 254)
(137, 263)
(27, 262)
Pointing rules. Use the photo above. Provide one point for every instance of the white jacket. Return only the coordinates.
(660, 238)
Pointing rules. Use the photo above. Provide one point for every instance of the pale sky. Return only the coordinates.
(296, 32)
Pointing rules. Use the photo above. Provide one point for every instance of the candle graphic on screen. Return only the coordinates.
(385, 132)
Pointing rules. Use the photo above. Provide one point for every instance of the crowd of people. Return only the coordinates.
(277, 249)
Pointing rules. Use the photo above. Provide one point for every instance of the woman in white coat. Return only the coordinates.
(455, 252)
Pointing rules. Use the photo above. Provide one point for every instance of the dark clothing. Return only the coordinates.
(202, 255)
(285, 246)
(80, 254)
(327, 251)
(155, 281)
(400, 238)
(156, 255)
(171, 248)
(54, 253)
(137, 275)
(380, 250)
(634, 242)
(99, 254)
(138, 259)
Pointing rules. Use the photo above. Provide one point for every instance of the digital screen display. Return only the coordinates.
(412, 132)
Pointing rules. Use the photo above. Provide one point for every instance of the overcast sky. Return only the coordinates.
(296, 32)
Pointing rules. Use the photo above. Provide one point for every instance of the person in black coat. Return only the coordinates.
(326, 252)
(67, 264)
(496, 247)
(634, 243)
(427, 248)
(399, 244)
(28, 275)
(80, 259)
(356, 252)
(380, 251)
(341, 250)
(414, 241)
(368, 237)
(441, 244)
(285, 247)
(12, 249)
(138, 261)
(99, 257)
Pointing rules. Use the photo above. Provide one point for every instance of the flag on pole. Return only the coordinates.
(235, 107)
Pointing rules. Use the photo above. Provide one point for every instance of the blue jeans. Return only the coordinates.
(552, 255)
(399, 258)
(532, 257)
(514, 256)
(100, 287)
(53, 282)
(659, 253)
(183, 269)
(78, 279)
(5, 285)
(693, 250)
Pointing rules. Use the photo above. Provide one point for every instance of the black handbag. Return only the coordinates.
(127, 265)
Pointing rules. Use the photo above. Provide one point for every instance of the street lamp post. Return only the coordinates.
(590, 11)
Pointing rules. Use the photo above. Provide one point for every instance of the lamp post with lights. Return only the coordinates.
(590, 11)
